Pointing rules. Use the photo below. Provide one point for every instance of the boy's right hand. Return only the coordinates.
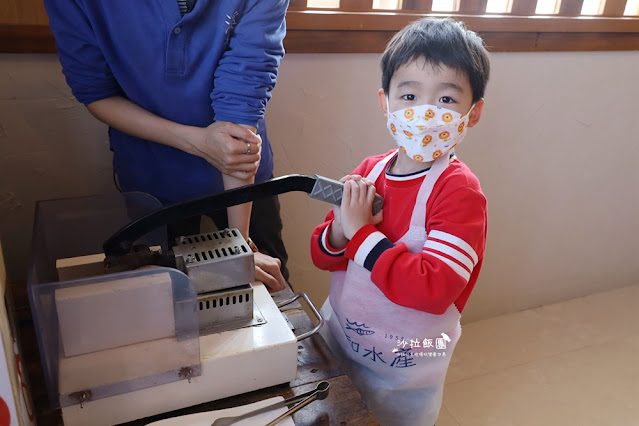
(357, 205)
(336, 209)
(336, 237)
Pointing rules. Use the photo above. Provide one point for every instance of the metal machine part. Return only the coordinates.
(232, 362)
(215, 260)
(221, 267)
(320, 319)
(116, 379)
(229, 309)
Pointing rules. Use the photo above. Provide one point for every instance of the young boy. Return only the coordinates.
(400, 283)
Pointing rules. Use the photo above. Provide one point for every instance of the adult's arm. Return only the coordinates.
(247, 70)
(93, 84)
(219, 143)
(245, 76)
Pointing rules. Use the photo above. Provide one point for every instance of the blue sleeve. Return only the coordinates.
(247, 70)
(83, 64)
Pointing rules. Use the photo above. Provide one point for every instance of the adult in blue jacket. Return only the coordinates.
(183, 86)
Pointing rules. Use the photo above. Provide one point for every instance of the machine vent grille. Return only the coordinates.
(224, 244)
(211, 236)
(219, 302)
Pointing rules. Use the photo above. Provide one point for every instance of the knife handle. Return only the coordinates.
(330, 190)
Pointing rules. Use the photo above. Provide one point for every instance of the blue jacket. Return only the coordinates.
(218, 62)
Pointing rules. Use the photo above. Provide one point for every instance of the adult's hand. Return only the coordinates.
(222, 144)
(267, 270)
(233, 149)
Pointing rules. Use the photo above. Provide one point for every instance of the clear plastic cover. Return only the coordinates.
(109, 334)
(71, 227)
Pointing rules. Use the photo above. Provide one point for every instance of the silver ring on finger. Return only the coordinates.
(248, 148)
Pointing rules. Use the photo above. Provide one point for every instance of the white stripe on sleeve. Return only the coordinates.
(324, 242)
(452, 252)
(453, 265)
(449, 238)
(369, 243)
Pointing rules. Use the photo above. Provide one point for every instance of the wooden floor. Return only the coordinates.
(570, 363)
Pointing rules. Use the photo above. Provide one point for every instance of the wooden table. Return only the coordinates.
(343, 406)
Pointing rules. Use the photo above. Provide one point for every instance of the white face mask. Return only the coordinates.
(427, 132)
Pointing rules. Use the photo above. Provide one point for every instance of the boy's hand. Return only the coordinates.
(357, 205)
(336, 236)
(337, 209)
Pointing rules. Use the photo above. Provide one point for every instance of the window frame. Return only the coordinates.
(368, 31)
(360, 29)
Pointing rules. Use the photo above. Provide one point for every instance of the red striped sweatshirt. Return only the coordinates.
(446, 270)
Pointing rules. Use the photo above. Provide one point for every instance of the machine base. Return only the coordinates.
(233, 362)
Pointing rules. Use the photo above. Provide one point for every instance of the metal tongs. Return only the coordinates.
(319, 393)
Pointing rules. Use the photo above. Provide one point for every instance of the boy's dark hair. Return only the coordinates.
(439, 41)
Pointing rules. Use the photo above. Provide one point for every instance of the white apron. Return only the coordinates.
(373, 336)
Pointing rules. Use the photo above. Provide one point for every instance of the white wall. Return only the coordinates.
(50, 147)
(555, 151)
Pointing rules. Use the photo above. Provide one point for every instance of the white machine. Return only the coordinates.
(124, 340)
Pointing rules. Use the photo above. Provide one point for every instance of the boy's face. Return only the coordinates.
(419, 83)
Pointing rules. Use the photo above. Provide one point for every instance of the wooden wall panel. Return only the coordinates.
(570, 7)
(299, 4)
(423, 6)
(524, 7)
(24, 27)
(473, 6)
(614, 7)
(357, 4)
(23, 12)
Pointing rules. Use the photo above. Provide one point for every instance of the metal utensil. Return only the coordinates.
(320, 392)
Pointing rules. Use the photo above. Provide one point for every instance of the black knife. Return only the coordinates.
(318, 187)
